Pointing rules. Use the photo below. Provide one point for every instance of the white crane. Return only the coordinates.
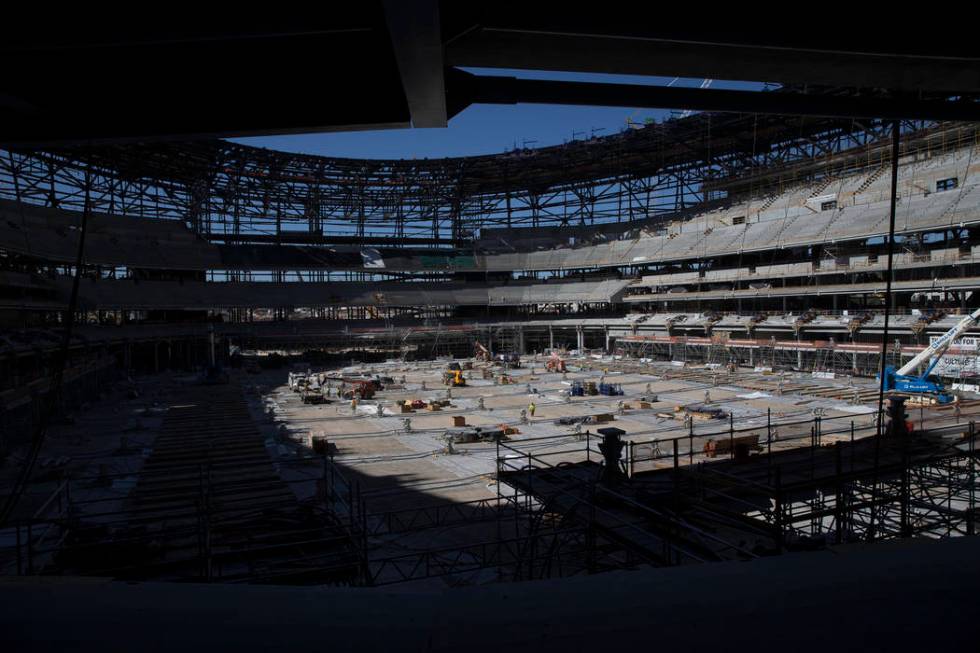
(942, 343)
(903, 380)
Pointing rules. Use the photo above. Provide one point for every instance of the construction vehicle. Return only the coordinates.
(577, 390)
(359, 389)
(927, 386)
(610, 389)
(508, 360)
(555, 364)
(480, 352)
(313, 395)
(453, 376)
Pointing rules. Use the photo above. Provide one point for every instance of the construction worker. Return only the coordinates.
(707, 397)
(531, 408)
(353, 405)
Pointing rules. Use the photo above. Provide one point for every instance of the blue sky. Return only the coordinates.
(489, 129)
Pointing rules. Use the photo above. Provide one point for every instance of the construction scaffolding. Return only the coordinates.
(830, 484)
(801, 356)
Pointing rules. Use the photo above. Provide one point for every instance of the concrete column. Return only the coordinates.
(608, 351)
(799, 359)
(551, 337)
(520, 340)
(580, 332)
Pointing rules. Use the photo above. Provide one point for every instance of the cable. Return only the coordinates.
(888, 274)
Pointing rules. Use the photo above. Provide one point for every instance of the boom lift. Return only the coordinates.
(901, 380)
(481, 352)
(555, 363)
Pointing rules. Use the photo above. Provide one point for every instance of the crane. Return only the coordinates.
(481, 352)
(902, 380)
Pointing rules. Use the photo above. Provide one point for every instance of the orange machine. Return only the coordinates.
(480, 352)
(555, 364)
(362, 389)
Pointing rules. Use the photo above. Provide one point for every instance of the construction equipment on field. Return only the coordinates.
(313, 395)
(360, 389)
(454, 378)
(509, 360)
(927, 385)
(555, 364)
(610, 389)
(577, 390)
(480, 352)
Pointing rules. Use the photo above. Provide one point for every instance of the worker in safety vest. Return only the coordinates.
(531, 408)
(353, 405)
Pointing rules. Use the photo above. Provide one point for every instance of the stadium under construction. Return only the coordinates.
(736, 338)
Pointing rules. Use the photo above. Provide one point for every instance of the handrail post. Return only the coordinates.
(731, 436)
(20, 562)
(30, 548)
(769, 432)
(690, 442)
(630, 465)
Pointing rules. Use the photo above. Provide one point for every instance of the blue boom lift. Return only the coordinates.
(902, 380)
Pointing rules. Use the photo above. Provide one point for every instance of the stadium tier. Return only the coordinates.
(822, 235)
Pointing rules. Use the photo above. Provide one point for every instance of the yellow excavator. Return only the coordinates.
(453, 376)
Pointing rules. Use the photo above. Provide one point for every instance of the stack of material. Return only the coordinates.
(476, 435)
(699, 411)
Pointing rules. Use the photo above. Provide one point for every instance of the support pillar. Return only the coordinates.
(551, 337)
(608, 350)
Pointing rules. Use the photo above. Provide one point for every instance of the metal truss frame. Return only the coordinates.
(232, 192)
